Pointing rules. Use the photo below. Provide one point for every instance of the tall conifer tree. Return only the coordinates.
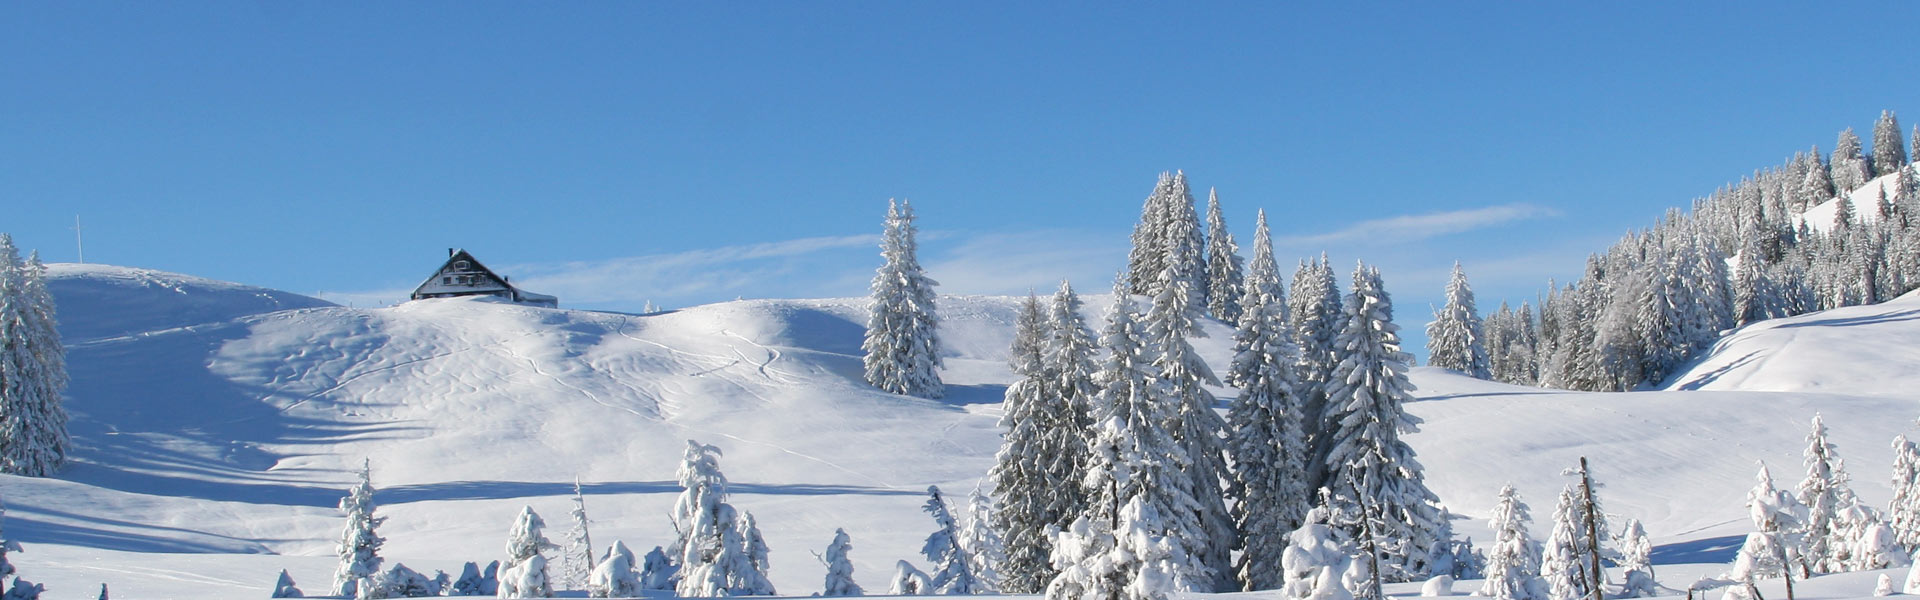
(902, 344)
(1367, 416)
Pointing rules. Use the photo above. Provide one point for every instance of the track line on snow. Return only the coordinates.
(532, 364)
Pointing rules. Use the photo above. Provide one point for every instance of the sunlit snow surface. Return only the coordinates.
(215, 420)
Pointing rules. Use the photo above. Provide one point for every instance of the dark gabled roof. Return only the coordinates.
(481, 281)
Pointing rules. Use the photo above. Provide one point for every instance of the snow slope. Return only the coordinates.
(217, 419)
(1858, 350)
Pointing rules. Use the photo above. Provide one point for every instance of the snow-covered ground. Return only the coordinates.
(218, 424)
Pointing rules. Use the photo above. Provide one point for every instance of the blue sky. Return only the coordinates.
(616, 153)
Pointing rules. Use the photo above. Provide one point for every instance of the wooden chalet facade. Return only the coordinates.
(464, 276)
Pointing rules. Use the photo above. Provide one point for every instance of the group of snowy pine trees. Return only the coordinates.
(719, 552)
(1821, 527)
(1116, 473)
(33, 369)
(1744, 254)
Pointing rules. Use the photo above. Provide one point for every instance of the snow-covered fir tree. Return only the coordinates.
(1903, 512)
(840, 568)
(1224, 273)
(908, 580)
(1313, 304)
(903, 344)
(33, 372)
(736, 566)
(1366, 415)
(1169, 232)
(359, 546)
(1513, 561)
(1636, 562)
(1148, 255)
(1040, 458)
(1135, 459)
(402, 582)
(982, 542)
(1869, 543)
(1068, 359)
(1318, 564)
(1180, 373)
(1849, 164)
(1087, 563)
(285, 588)
(1826, 493)
(524, 574)
(1774, 548)
(1561, 562)
(1265, 436)
(952, 567)
(721, 550)
(577, 563)
(657, 570)
(1889, 151)
(614, 576)
(1455, 338)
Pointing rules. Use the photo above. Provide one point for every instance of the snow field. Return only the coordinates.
(218, 424)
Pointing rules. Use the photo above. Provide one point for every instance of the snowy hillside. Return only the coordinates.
(1861, 350)
(215, 419)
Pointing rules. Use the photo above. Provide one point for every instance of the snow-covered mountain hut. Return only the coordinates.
(464, 276)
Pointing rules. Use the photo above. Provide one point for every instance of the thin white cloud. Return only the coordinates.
(1409, 228)
(1013, 263)
(672, 278)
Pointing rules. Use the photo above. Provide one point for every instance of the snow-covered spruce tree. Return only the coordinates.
(1774, 548)
(614, 576)
(285, 588)
(840, 568)
(402, 582)
(1455, 339)
(658, 571)
(738, 565)
(1148, 256)
(1068, 361)
(1561, 562)
(982, 542)
(524, 575)
(1826, 494)
(1314, 307)
(1086, 560)
(1265, 436)
(1513, 562)
(1366, 414)
(1889, 152)
(1317, 563)
(1849, 164)
(696, 513)
(1040, 458)
(1223, 265)
(359, 547)
(33, 371)
(909, 581)
(577, 563)
(1636, 560)
(721, 550)
(1180, 374)
(1903, 512)
(1135, 460)
(903, 344)
(1870, 543)
(953, 568)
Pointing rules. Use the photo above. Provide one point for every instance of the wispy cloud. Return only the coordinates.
(1410, 228)
(1013, 263)
(671, 278)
